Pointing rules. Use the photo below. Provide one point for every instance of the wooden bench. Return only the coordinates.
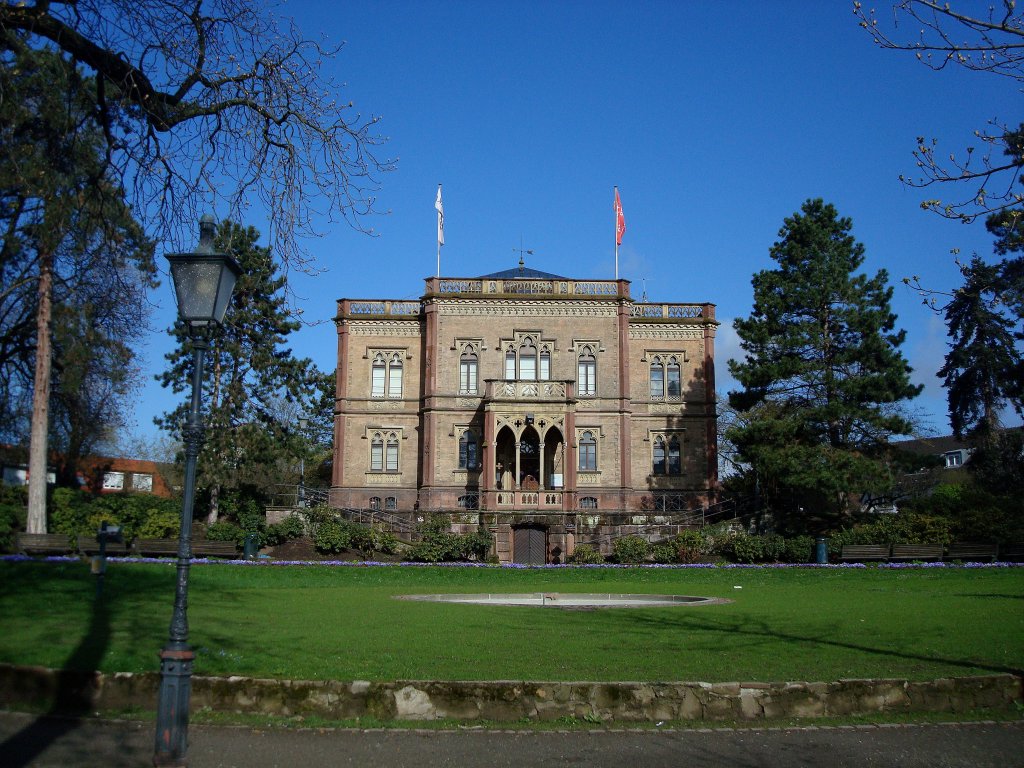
(1012, 553)
(43, 543)
(214, 549)
(917, 551)
(90, 545)
(859, 552)
(169, 548)
(156, 547)
(969, 551)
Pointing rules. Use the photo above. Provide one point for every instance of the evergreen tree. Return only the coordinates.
(823, 377)
(983, 366)
(256, 388)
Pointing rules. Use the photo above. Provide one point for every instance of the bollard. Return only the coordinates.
(821, 550)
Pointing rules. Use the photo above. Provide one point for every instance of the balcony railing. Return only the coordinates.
(527, 500)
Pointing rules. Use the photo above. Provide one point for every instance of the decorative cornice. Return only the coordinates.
(663, 332)
(530, 308)
(385, 327)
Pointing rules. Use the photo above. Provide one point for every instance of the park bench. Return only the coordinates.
(857, 553)
(1012, 553)
(964, 550)
(43, 543)
(90, 545)
(917, 551)
(169, 548)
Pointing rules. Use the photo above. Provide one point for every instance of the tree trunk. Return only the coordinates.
(214, 511)
(38, 441)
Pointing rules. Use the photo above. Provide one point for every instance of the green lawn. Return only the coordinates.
(341, 623)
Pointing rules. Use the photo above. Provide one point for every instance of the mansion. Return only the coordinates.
(532, 404)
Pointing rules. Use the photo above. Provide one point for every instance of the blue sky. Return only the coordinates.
(715, 120)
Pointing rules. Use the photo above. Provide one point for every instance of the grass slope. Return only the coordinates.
(316, 622)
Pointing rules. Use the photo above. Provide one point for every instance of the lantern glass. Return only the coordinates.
(203, 284)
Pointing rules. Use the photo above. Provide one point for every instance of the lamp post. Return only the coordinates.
(303, 423)
(203, 282)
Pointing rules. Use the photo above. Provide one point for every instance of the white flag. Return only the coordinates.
(440, 218)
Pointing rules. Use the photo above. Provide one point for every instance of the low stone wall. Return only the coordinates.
(512, 700)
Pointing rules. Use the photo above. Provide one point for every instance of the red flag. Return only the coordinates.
(620, 219)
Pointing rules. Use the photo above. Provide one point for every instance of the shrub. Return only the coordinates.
(291, 527)
(225, 531)
(631, 550)
(664, 553)
(439, 545)
(798, 549)
(586, 554)
(161, 524)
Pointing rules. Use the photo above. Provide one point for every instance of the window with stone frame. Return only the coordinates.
(588, 502)
(469, 450)
(666, 458)
(386, 374)
(527, 357)
(665, 377)
(587, 452)
(586, 372)
(391, 503)
(468, 370)
(375, 502)
(384, 451)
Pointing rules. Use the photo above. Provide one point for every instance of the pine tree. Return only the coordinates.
(823, 377)
(254, 385)
(983, 365)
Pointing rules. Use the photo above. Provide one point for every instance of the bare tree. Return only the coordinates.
(218, 102)
(943, 35)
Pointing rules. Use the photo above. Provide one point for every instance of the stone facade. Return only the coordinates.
(527, 399)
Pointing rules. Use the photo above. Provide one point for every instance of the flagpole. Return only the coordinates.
(616, 234)
(440, 228)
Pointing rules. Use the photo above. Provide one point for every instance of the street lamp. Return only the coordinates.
(303, 423)
(203, 282)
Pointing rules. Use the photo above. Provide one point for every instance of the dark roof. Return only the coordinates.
(521, 272)
(931, 445)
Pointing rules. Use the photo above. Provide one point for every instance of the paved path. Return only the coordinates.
(41, 742)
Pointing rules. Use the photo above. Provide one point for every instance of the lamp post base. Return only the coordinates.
(172, 706)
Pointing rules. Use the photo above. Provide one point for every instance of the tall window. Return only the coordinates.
(468, 451)
(545, 364)
(657, 379)
(586, 373)
(675, 466)
(395, 376)
(528, 360)
(659, 455)
(467, 371)
(377, 454)
(391, 453)
(672, 377)
(588, 451)
(510, 363)
(386, 375)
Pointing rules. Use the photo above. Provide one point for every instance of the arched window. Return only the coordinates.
(545, 364)
(659, 455)
(468, 451)
(657, 379)
(588, 451)
(391, 502)
(391, 455)
(675, 466)
(395, 376)
(377, 453)
(586, 373)
(510, 363)
(528, 360)
(375, 502)
(467, 371)
(588, 502)
(378, 376)
(672, 377)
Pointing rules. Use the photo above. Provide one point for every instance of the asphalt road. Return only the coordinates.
(30, 741)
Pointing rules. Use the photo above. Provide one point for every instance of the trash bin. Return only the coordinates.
(252, 546)
(821, 550)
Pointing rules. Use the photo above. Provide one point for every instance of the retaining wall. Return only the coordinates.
(76, 692)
